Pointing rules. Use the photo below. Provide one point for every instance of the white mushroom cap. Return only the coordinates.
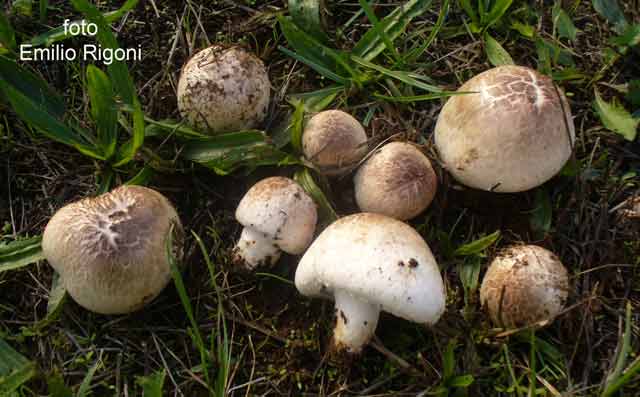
(524, 285)
(368, 263)
(397, 180)
(110, 250)
(277, 215)
(510, 135)
(223, 89)
(334, 142)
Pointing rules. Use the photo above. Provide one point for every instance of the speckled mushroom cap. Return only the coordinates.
(510, 135)
(378, 260)
(397, 180)
(535, 285)
(223, 89)
(110, 250)
(334, 142)
(279, 208)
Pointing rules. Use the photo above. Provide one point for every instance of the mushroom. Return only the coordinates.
(397, 181)
(110, 250)
(512, 132)
(334, 142)
(223, 89)
(524, 285)
(277, 215)
(370, 263)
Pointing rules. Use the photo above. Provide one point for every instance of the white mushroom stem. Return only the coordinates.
(255, 249)
(356, 322)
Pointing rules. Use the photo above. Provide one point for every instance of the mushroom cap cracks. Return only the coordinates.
(223, 89)
(524, 285)
(110, 250)
(334, 141)
(279, 208)
(397, 180)
(376, 259)
(509, 134)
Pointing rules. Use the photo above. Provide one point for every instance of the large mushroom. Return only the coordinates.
(110, 250)
(370, 263)
(277, 215)
(511, 131)
(223, 89)
(397, 180)
(524, 285)
(334, 141)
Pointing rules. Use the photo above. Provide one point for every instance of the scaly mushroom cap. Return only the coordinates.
(110, 250)
(510, 135)
(334, 141)
(378, 260)
(282, 211)
(223, 89)
(397, 180)
(524, 285)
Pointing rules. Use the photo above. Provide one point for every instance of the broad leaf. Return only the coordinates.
(15, 369)
(7, 35)
(477, 246)
(20, 253)
(308, 14)
(563, 23)
(616, 118)
(152, 384)
(495, 52)
(610, 9)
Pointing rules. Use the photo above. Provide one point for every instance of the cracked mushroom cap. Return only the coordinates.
(223, 89)
(378, 260)
(513, 133)
(524, 285)
(397, 180)
(334, 142)
(282, 211)
(110, 250)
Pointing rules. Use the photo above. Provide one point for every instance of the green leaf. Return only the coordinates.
(166, 127)
(630, 37)
(477, 246)
(305, 178)
(495, 52)
(83, 390)
(152, 384)
(103, 109)
(372, 42)
(462, 381)
(308, 14)
(142, 177)
(615, 118)
(318, 100)
(563, 23)
(15, 369)
(379, 28)
(469, 273)
(412, 79)
(612, 12)
(24, 7)
(296, 126)
(56, 386)
(524, 29)
(470, 10)
(20, 253)
(550, 53)
(497, 11)
(7, 35)
(541, 215)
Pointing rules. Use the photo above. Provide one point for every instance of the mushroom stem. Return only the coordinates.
(356, 322)
(255, 249)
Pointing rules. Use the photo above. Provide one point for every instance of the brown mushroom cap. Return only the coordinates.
(110, 251)
(524, 285)
(223, 89)
(397, 180)
(334, 142)
(513, 133)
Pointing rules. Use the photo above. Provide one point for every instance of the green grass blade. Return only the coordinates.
(497, 11)
(142, 177)
(7, 34)
(372, 44)
(405, 77)
(417, 53)
(326, 72)
(152, 384)
(57, 298)
(83, 390)
(477, 246)
(170, 127)
(305, 178)
(296, 126)
(418, 98)
(624, 348)
(103, 109)
(379, 29)
(308, 14)
(15, 369)
(20, 253)
(318, 100)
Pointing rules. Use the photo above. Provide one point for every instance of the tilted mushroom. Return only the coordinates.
(524, 285)
(223, 89)
(370, 263)
(512, 132)
(110, 250)
(277, 215)
(397, 180)
(334, 142)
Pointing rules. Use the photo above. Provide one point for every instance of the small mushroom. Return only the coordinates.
(511, 132)
(334, 142)
(223, 89)
(110, 250)
(277, 215)
(524, 285)
(370, 263)
(397, 180)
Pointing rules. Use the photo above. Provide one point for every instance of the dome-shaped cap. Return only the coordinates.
(513, 132)
(378, 260)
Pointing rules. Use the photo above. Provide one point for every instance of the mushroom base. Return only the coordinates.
(254, 249)
(356, 322)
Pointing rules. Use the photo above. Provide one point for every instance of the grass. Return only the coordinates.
(215, 332)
